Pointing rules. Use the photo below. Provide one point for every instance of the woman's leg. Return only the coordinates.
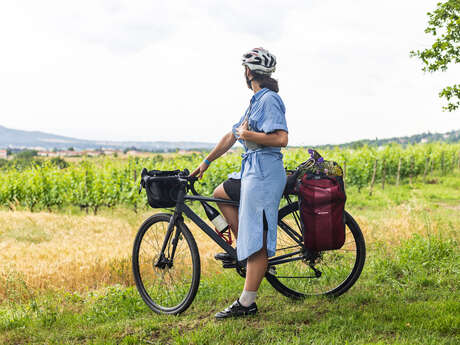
(257, 264)
(230, 212)
(255, 272)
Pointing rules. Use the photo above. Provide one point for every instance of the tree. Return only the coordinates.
(27, 154)
(444, 25)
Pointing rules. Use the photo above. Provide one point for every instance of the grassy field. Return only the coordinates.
(65, 278)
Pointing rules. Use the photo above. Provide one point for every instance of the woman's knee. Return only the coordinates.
(261, 254)
(220, 193)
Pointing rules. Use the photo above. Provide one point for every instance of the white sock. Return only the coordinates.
(247, 298)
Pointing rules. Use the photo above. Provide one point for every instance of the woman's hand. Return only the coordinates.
(242, 130)
(200, 170)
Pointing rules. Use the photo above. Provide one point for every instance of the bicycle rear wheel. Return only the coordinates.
(168, 281)
(339, 269)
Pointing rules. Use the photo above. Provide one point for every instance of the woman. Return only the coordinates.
(262, 130)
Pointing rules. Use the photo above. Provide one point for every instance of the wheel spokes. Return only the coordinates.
(335, 266)
(167, 286)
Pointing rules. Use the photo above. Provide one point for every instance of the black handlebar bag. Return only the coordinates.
(321, 205)
(161, 193)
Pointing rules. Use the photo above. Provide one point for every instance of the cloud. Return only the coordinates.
(264, 19)
(121, 26)
(152, 70)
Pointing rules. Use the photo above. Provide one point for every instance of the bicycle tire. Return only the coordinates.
(295, 287)
(155, 284)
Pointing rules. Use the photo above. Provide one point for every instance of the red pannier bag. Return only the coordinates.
(322, 205)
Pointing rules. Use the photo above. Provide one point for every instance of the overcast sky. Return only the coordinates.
(171, 70)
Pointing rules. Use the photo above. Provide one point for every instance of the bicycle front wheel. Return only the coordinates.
(167, 280)
(336, 270)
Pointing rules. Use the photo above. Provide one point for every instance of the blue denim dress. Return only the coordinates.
(262, 175)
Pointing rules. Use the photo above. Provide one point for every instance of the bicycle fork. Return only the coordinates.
(163, 260)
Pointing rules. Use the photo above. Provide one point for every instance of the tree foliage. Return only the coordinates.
(444, 25)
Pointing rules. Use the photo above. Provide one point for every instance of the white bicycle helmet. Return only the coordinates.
(260, 61)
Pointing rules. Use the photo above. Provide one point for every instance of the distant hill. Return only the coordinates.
(449, 137)
(14, 138)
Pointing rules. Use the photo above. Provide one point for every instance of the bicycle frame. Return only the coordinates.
(181, 207)
(337, 278)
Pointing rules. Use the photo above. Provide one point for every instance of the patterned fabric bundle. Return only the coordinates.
(317, 165)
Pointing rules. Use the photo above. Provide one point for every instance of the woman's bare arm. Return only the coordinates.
(277, 138)
(223, 146)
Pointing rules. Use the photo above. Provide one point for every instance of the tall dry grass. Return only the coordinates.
(50, 251)
(41, 251)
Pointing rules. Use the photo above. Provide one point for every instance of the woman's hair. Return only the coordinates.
(266, 81)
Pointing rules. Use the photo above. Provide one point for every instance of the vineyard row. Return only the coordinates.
(92, 184)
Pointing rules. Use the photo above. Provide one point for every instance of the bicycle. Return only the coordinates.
(166, 262)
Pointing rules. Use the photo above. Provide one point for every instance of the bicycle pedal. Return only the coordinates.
(229, 264)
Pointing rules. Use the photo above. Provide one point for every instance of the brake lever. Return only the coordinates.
(192, 181)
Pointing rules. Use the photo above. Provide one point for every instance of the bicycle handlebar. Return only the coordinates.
(183, 175)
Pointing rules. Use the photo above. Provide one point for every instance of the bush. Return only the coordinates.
(59, 162)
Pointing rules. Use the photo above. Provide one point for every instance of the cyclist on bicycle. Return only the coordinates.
(262, 131)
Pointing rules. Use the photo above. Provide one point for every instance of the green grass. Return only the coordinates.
(442, 191)
(408, 293)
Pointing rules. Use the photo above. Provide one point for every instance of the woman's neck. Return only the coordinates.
(255, 86)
